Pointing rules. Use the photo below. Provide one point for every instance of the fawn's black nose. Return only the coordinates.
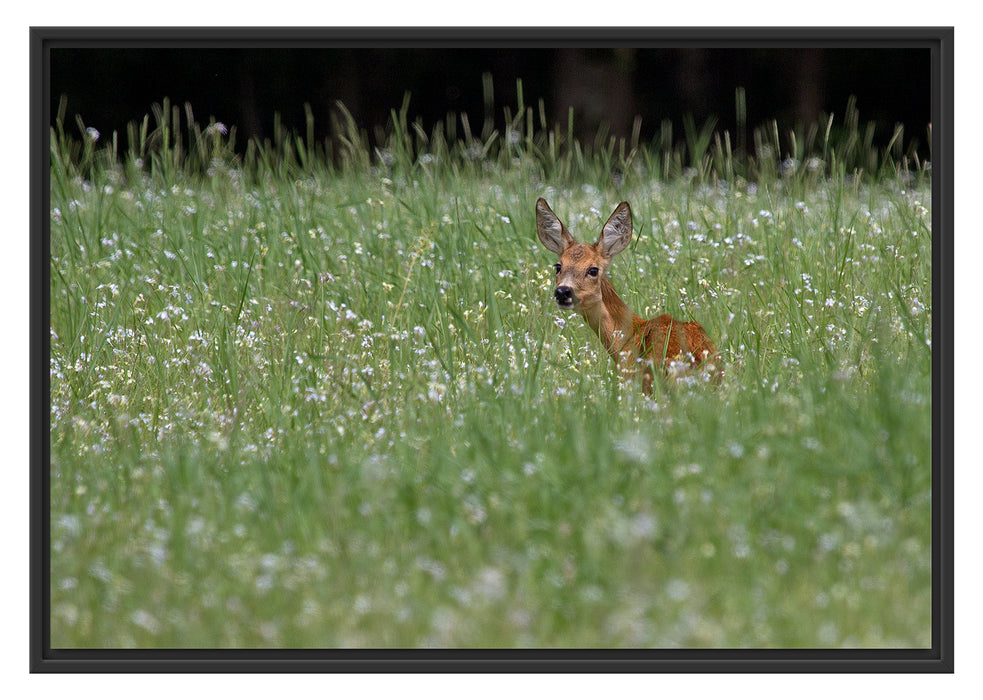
(564, 296)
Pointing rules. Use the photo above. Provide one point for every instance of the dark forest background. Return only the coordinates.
(245, 88)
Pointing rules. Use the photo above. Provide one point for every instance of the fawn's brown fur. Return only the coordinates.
(582, 285)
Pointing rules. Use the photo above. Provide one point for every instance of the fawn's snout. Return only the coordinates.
(564, 297)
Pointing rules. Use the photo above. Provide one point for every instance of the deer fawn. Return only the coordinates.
(582, 285)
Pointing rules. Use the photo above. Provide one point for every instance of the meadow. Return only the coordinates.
(318, 394)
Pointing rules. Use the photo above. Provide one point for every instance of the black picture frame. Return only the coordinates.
(938, 659)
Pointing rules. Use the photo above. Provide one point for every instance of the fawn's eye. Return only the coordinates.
(592, 272)
(558, 267)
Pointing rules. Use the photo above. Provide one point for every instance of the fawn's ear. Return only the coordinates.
(617, 232)
(550, 229)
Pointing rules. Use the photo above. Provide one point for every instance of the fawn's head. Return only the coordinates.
(582, 266)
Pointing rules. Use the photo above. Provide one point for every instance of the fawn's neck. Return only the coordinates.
(612, 320)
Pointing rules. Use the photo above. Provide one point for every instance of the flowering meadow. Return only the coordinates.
(320, 395)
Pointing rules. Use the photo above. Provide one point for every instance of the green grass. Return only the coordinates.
(319, 395)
